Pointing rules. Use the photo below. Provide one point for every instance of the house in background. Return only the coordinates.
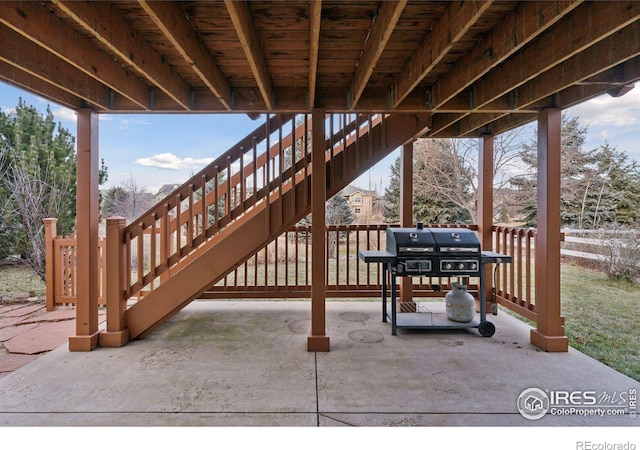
(363, 203)
(165, 190)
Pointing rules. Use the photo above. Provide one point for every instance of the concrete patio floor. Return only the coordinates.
(244, 363)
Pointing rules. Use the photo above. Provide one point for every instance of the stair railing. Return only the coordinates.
(253, 173)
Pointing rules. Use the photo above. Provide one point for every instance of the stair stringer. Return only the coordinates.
(263, 223)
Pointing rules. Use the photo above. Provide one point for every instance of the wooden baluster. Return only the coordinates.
(140, 251)
(344, 146)
(255, 168)
(268, 181)
(152, 246)
(242, 180)
(178, 226)
(190, 218)
(216, 197)
(203, 206)
(228, 195)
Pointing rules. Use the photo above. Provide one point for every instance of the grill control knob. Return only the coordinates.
(448, 266)
(473, 266)
(460, 266)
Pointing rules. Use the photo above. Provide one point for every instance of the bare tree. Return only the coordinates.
(128, 200)
(36, 198)
(445, 174)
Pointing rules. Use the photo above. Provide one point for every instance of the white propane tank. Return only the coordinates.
(460, 304)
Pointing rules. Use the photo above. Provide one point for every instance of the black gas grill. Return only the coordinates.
(433, 252)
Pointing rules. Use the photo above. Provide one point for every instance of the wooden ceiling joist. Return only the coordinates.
(472, 65)
(518, 29)
(99, 19)
(24, 80)
(458, 18)
(550, 50)
(180, 33)
(39, 25)
(383, 26)
(57, 74)
(315, 17)
(607, 53)
(240, 13)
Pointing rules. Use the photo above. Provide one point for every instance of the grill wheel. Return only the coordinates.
(486, 328)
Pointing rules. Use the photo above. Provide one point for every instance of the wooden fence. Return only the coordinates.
(282, 268)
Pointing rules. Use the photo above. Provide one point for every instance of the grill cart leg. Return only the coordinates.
(486, 328)
(393, 304)
(384, 292)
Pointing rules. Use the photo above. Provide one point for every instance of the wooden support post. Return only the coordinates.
(86, 338)
(117, 333)
(485, 206)
(406, 303)
(318, 341)
(50, 233)
(549, 335)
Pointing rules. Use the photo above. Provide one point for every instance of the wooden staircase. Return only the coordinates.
(244, 199)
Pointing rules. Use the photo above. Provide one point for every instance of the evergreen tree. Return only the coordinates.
(338, 210)
(391, 206)
(597, 186)
(38, 166)
(618, 198)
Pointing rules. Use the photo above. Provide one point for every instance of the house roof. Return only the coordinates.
(471, 67)
(351, 190)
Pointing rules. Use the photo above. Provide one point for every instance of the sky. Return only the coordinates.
(157, 149)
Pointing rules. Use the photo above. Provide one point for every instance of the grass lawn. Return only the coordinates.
(20, 278)
(602, 318)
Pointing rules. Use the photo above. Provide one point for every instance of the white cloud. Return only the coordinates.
(124, 124)
(65, 114)
(612, 111)
(170, 161)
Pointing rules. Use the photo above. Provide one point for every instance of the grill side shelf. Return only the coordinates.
(376, 256)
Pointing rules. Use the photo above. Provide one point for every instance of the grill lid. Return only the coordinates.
(455, 240)
(410, 241)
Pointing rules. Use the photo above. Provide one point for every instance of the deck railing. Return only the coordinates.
(514, 283)
(61, 264)
(282, 269)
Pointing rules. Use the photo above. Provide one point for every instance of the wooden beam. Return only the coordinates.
(551, 50)
(243, 23)
(380, 33)
(590, 24)
(106, 24)
(43, 28)
(172, 23)
(616, 49)
(452, 26)
(518, 29)
(601, 57)
(47, 75)
(24, 80)
(315, 18)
